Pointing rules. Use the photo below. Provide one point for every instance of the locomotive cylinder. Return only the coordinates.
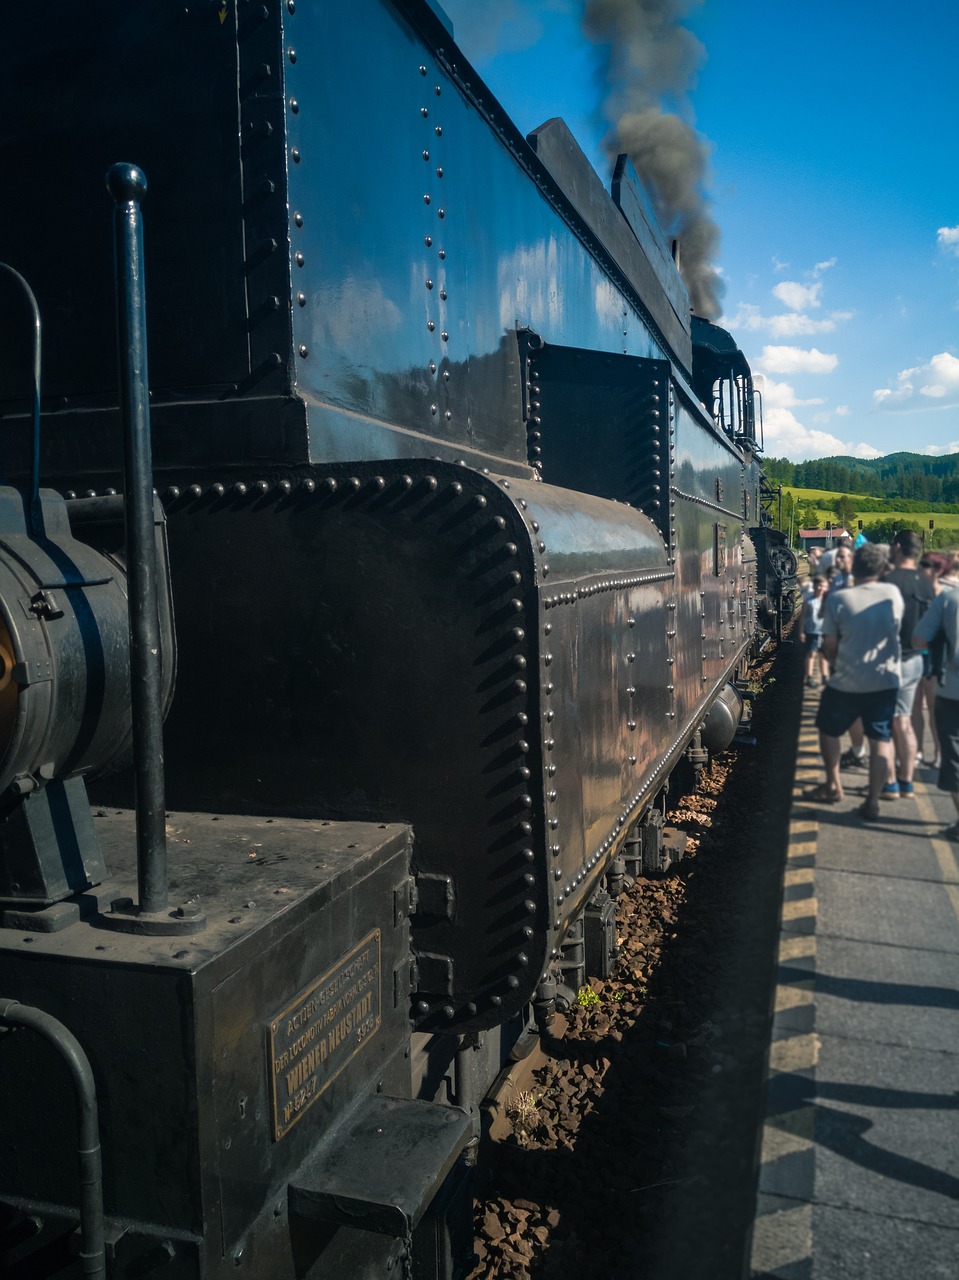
(64, 688)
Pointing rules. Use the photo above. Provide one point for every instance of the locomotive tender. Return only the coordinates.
(457, 516)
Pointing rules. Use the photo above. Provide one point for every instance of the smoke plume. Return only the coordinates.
(650, 63)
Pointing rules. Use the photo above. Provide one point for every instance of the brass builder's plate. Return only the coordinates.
(322, 1029)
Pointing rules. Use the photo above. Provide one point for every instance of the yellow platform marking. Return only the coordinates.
(794, 995)
(801, 875)
(782, 1239)
(798, 1053)
(944, 850)
(796, 946)
(785, 1134)
(802, 909)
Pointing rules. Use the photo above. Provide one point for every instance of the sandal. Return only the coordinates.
(821, 794)
(869, 812)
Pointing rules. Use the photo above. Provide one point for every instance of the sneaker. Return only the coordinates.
(890, 791)
(906, 788)
(849, 760)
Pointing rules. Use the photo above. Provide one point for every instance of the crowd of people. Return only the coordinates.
(880, 624)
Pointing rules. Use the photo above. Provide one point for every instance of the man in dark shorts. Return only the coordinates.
(861, 643)
(942, 619)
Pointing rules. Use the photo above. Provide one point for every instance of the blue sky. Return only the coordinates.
(832, 134)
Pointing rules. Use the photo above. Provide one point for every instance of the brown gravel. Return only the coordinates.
(632, 1153)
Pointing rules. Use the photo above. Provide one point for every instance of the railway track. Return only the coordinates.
(629, 1147)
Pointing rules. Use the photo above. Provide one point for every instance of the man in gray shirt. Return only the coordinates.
(861, 643)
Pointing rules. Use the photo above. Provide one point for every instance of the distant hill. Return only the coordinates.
(914, 476)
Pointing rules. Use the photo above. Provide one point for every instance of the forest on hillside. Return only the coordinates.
(912, 476)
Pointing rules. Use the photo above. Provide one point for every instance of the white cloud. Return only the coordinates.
(938, 380)
(827, 415)
(938, 450)
(786, 435)
(797, 296)
(790, 325)
(799, 326)
(797, 360)
(948, 238)
(781, 395)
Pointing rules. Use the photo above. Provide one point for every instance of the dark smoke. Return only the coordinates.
(651, 60)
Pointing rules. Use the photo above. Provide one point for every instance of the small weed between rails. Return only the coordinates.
(586, 997)
(758, 684)
(523, 1114)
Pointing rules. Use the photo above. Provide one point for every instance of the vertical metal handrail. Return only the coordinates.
(34, 510)
(127, 185)
(92, 1248)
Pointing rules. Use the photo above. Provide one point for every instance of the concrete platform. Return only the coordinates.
(860, 1153)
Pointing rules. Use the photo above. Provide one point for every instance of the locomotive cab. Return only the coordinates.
(724, 384)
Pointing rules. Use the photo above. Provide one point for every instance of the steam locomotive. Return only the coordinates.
(459, 527)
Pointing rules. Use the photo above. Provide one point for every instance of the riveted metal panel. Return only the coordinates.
(637, 248)
(356, 688)
(604, 675)
(155, 85)
(375, 252)
(598, 422)
(425, 245)
(268, 223)
(706, 504)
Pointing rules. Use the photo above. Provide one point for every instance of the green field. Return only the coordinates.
(822, 497)
(827, 495)
(944, 520)
(822, 500)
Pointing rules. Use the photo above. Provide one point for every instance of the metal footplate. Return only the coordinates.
(384, 1166)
